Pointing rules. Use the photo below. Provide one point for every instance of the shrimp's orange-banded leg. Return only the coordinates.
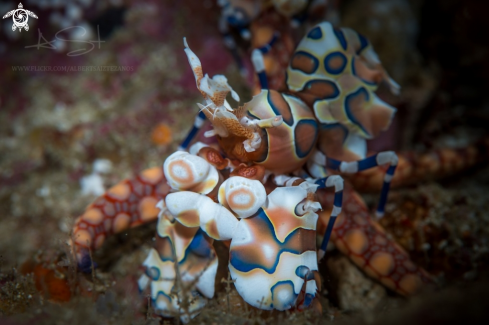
(416, 167)
(365, 242)
(130, 203)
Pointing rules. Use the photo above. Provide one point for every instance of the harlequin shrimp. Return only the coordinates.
(265, 187)
(280, 225)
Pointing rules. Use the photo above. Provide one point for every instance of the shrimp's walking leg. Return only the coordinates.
(416, 167)
(336, 182)
(259, 65)
(198, 123)
(271, 35)
(353, 167)
(230, 43)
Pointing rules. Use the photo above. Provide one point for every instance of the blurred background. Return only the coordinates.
(133, 102)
